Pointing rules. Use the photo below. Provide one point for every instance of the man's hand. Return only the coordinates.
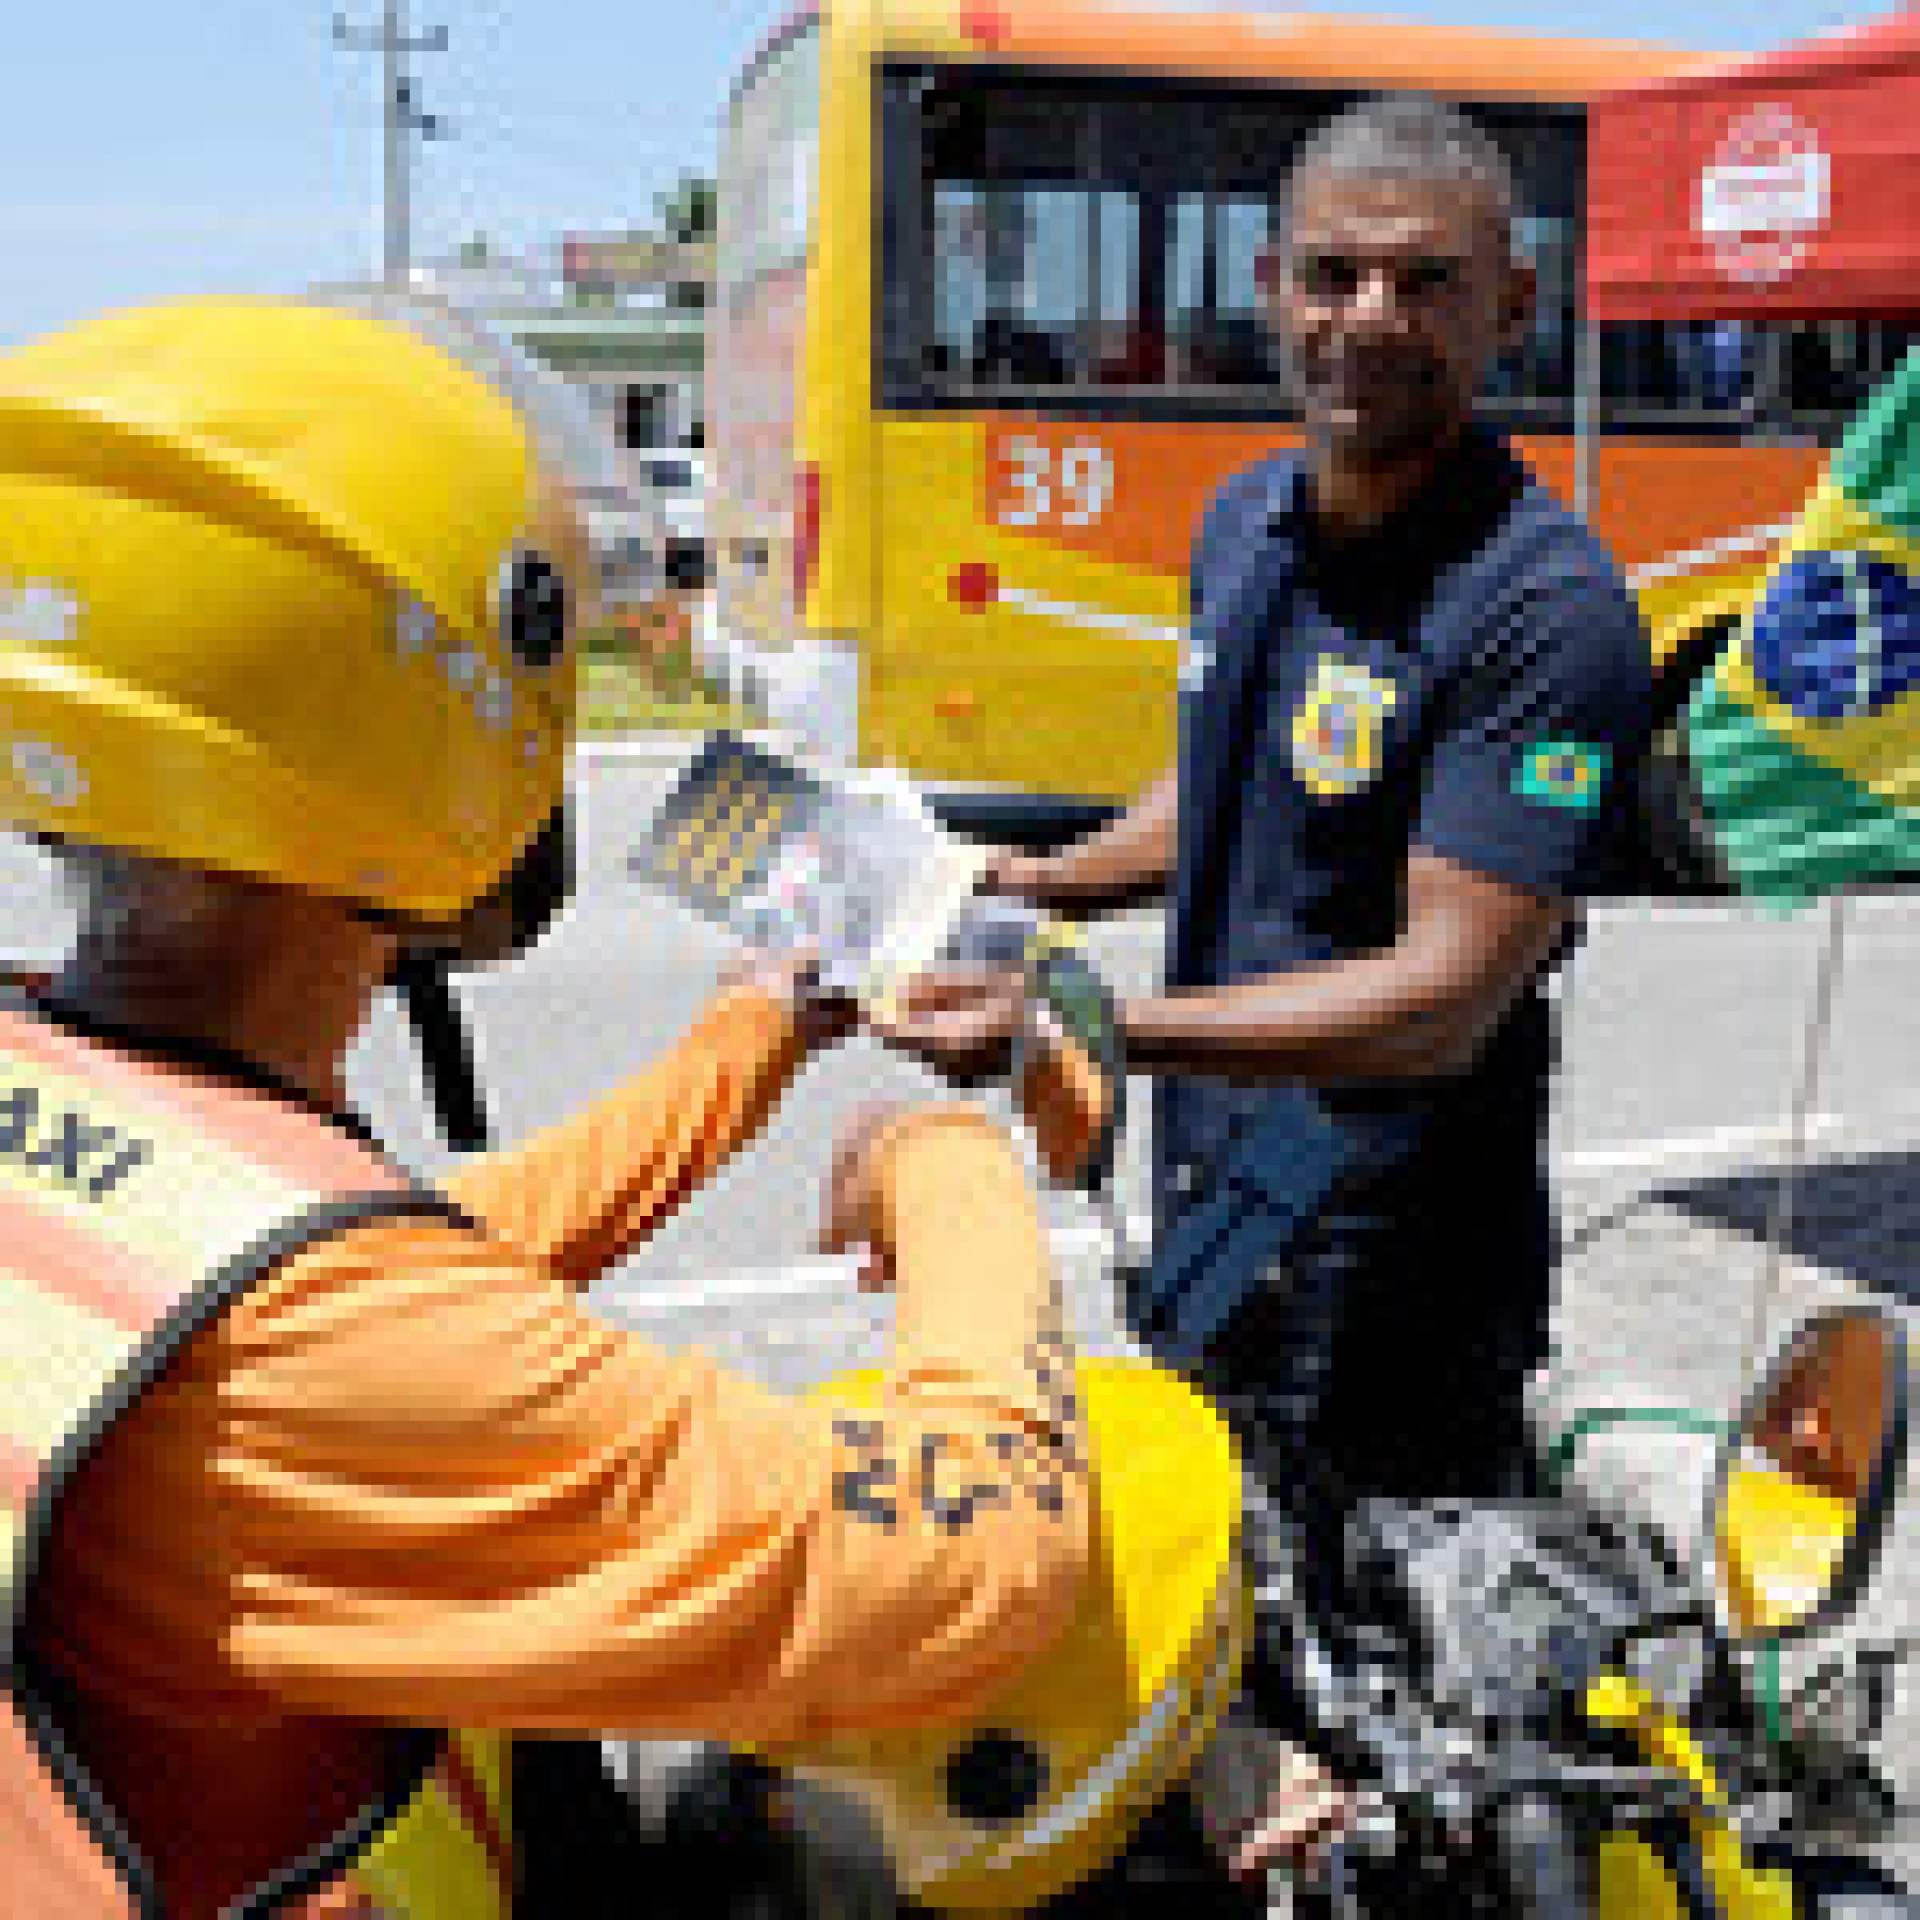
(788, 978)
(852, 1218)
(1305, 1813)
(1018, 876)
(959, 1020)
(1264, 1802)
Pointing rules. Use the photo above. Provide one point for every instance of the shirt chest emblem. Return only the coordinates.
(1336, 730)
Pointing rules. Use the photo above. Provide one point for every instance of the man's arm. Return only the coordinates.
(1524, 793)
(1127, 863)
(1419, 1009)
(407, 1478)
(580, 1195)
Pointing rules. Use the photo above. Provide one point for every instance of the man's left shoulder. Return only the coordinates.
(1554, 576)
(1546, 542)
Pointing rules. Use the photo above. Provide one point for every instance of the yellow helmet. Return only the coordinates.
(288, 588)
(1047, 1783)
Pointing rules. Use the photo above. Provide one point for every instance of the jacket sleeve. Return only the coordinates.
(579, 1196)
(409, 1478)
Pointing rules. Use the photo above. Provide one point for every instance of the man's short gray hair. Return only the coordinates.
(1410, 136)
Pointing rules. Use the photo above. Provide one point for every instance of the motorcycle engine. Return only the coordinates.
(1467, 1633)
(1501, 1603)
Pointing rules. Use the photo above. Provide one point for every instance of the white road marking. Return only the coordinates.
(1714, 1143)
(831, 1279)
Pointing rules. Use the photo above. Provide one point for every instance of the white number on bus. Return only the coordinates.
(1086, 479)
(1032, 463)
(1077, 496)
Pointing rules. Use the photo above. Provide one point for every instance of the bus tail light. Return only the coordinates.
(985, 24)
(806, 531)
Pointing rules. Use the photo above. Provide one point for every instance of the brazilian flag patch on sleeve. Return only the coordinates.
(1563, 773)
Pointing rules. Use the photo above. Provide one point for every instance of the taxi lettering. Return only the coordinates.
(79, 1153)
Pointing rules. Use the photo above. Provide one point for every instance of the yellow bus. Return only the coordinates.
(987, 333)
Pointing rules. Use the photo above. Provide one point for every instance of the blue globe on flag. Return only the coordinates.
(1837, 635)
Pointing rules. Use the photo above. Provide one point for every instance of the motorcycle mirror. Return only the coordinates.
(1806, 1479)
(1069, 1068)
(1069, 1071)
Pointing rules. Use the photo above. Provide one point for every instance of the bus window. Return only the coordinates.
(1033, 287)
(1090, 238)
(756, 326)
(1102, 236)
(1541, 371)
(1785, 383)
(1714, 364)
(1707, 376)
(1217, 329)
(1637, 371)
(1831, 370)
(768, 164)
(1533, 386)
(1012, 240)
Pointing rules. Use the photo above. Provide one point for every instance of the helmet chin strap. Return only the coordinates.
(500, 926)
(420, 977)
(446, 1051)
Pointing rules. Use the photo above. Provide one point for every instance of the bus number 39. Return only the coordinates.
(1075, 493)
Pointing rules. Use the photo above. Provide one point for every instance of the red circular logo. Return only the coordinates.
(1763, 195)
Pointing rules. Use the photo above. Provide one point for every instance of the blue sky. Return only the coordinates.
(225, 145)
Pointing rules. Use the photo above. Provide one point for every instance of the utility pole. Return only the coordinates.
(401, 120)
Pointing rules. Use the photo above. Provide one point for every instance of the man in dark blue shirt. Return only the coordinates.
(1395, 774)
(1415, 694)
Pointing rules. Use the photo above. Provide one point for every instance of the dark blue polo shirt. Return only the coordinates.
(1471, 677)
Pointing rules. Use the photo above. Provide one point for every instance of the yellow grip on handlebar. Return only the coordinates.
(1633, 1883)
(1613, 1700)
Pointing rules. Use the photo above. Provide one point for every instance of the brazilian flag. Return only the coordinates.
(1806, 737)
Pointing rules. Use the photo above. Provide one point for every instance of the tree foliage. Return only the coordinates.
(687, 213)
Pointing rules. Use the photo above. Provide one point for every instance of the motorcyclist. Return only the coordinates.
(304, 1459)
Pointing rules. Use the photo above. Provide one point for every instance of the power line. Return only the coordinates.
(402, 120)
(505, 128)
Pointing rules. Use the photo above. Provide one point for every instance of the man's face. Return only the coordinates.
(1392, 303)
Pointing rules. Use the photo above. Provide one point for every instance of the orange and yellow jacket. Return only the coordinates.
(302, 1457)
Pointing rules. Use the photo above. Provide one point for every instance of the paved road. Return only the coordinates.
(1681, 1040)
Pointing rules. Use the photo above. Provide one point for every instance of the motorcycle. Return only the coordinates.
(1545, 1711)
(1550, 1715)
